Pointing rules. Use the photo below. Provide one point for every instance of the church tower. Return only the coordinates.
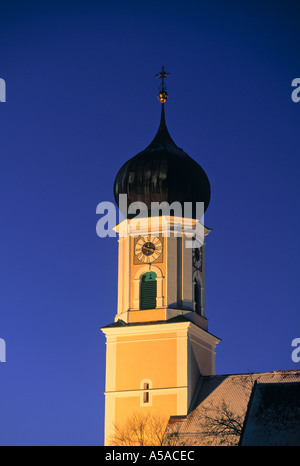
(159, 344)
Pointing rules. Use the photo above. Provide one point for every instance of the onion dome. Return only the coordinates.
(162, 173)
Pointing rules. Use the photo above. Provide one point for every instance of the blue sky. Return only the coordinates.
(81, 100)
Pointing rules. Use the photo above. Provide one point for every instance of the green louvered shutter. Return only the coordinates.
(148, 291)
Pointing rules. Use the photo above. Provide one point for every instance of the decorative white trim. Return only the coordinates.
(157, 391)
(165, 224)
(144, 381)
(157, 329)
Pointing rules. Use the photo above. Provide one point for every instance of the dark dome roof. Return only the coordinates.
(162, 172)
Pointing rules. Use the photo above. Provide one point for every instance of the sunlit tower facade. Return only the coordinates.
(159, 344)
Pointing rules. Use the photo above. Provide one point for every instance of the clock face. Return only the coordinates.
(148, 249)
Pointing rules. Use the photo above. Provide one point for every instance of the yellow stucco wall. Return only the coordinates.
(138, 357)
(153, 357)
(161, 405)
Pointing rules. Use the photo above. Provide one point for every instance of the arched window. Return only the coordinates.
(197, 295)
(146, 395)
(148, 291)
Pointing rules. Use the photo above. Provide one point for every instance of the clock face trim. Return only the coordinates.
(148, 249)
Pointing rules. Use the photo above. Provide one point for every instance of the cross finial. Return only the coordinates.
(162, 95)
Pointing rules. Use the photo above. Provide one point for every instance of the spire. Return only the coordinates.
(162, 172)
(162, 95)
(162, 136)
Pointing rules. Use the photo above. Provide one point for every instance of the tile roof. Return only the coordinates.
(273, 415)
(218, 410)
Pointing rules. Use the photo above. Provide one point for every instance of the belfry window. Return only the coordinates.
(197, 295)
(148, 291)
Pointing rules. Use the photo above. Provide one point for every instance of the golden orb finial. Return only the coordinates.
(162, 95)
